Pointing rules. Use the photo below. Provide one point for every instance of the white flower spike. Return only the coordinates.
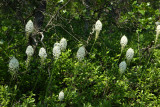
(56, 51)
(157, 33)
(123, 42)
(81, 53)
(42, 54)
(129, 55)
(63, 44)
(29, 27)
(29, 50)
(61, 96)
(122, 67)
(13, 65)
(98, 28)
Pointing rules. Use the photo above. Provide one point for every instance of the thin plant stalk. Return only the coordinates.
(138, 43)
(27, 37)
(93, 45)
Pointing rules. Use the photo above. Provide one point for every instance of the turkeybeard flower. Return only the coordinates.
(157, 33)
(42, 54)
(63, 44)
(13, 65)
(56, 50)
(29, 52)
(122, 67)
(98, 28)
(61, 96)
(129, 55)
(29, 28)
(81, 53)
(57, 44)
(123, 42)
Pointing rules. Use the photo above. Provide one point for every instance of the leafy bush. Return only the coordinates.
(94, 81)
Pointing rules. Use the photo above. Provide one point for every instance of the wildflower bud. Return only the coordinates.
(129, 55)
(29, 50)
(98, 28)
(123, 42)
(63, 44)
(42, 54)
(29, 27)
(13, 65)
(56, 51)
(122, 67)
(81, 53)
(61, 96)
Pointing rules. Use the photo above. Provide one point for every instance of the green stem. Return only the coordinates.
(27, 37)
(96, 37)
(50, 79)
(120, 54)
(27, 62)
(93, 45)
(36, 82)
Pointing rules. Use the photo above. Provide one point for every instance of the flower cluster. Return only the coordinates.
(81, 53)
(58, 47)
(61, 96)
(29, 50)
(29, 28)
(122, 67)
(63, 44)
(13, 65)
(123, 42)
(98, 28)
(56, 50)
(129, 54)
(42, 54)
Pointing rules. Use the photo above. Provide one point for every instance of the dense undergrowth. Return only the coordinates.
(94, 81)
